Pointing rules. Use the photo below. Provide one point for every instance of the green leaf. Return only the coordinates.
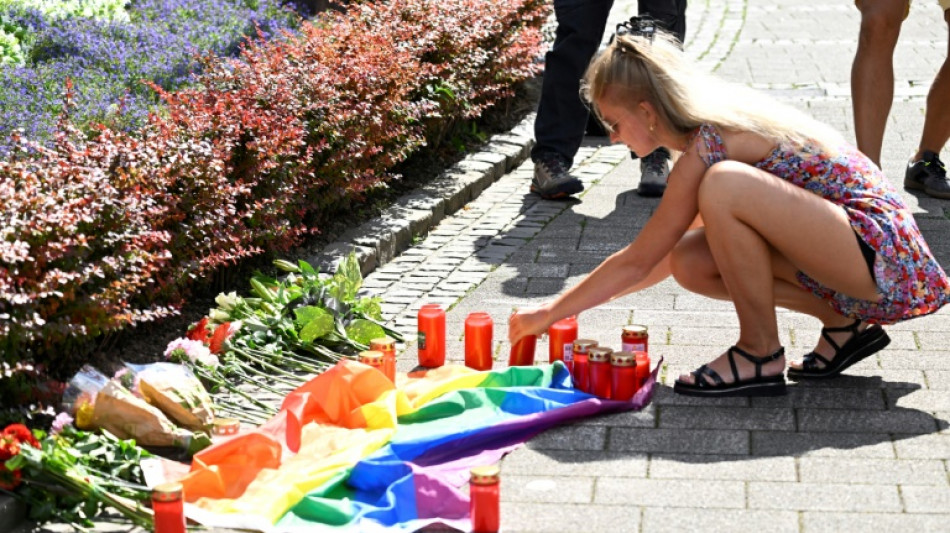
(313, 322)
(347, 280)
(363, 331)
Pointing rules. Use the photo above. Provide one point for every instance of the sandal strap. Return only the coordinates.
(810, 361)
(699, 377)
(758, 361)
(853, 328)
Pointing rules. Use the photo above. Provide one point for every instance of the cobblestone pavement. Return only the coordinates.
(866, 451)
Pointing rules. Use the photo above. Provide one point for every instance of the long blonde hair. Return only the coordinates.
(655, 70)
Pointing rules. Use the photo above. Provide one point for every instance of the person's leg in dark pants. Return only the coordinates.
(655, 167)
(562, 115)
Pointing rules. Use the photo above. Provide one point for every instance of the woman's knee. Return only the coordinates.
(881, 22)
(723, 182)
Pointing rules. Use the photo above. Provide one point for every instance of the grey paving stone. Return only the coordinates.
(890, 421)
(722, 467)
(819, 444)
(922, 400)
(872, 471)
(670, 493)
(825, 397)
(548, 489)
(930, 446)
(544, 462)
(568, 518)
(660, 520)
(571, 437)
(694, 441)
(923, 499)
(824, 522)
(823, 497)
(674, 416)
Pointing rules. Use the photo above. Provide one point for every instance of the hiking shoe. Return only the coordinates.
(654, 169)
(928, 175)
(552, 180)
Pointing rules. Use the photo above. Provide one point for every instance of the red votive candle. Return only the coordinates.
(478, 341)
(484, 493)
(635, 338)
(561, 337)
(599, 365)
(431, 340)
(373, 358)
(579, 365)
(387, 346)
(623, 375)
(522, 352)
(643, 368)
(169, 508)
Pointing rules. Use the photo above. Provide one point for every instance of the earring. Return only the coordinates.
(652, 127)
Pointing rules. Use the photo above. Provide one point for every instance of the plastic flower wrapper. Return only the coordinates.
(176, 391)
(80, 395)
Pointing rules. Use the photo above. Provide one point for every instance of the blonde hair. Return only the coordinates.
(655, 70)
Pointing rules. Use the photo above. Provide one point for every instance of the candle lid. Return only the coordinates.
(167, 492)
(371, 357)
(584, 345)
(382, 343)
(599, 354)
(623, 359)
(226, 426)
(485, 475)
(635, 329)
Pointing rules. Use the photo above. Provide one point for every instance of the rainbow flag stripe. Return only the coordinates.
(350, 451)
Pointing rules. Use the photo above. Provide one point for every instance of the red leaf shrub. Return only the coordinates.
(99, 234)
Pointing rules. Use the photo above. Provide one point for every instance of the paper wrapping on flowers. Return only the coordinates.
(119, 412)
(80, 395)
(176, 391)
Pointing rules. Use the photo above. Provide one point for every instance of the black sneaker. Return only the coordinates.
(928, 175)
(552, 180)
(654, 170)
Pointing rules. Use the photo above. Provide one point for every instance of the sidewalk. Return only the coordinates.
(866, 451)
(869, 451)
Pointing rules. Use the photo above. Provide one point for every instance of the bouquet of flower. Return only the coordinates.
(72, 475)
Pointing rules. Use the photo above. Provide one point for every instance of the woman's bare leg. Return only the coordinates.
(759, 231)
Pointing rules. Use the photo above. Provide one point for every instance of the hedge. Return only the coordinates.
(99, 233)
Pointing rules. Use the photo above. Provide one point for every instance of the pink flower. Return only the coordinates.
(181, 350)
(62, 420)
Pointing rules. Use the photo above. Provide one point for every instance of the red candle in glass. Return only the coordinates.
(635, 338)
(522, 352)
(623, 376)
(169, 508)
(599, 368)
(387, 346)
(484, 499)
(478, 341)
(561, 337)
(643, 368)
(579, 368)
(431, 340)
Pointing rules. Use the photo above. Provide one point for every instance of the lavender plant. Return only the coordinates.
(108, 58)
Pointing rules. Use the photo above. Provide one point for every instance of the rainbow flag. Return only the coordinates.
(349, 451)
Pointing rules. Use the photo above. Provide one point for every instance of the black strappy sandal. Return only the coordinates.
(758, 386)
(861, 345)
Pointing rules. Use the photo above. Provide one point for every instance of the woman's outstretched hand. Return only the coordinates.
(528, 322)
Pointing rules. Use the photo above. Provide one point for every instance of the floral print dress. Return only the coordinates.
(908, 277)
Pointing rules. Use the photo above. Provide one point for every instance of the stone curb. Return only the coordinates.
(379, 240)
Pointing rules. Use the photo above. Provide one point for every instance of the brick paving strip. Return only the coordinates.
(866, 451)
